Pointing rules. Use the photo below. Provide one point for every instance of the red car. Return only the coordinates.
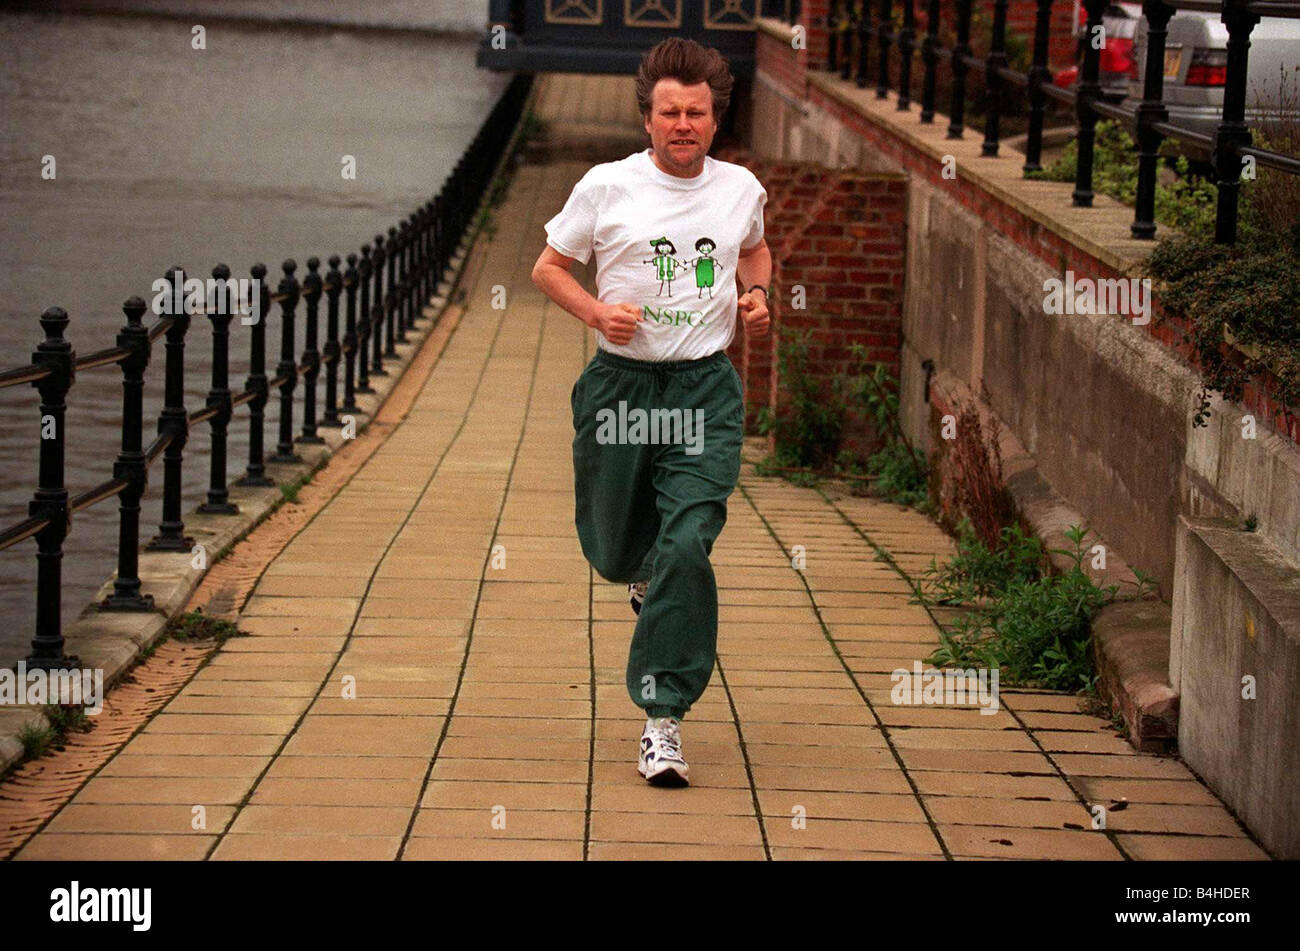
(1118, 54)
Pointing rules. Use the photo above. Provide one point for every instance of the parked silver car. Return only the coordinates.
(1196, 69)
(1196, 66)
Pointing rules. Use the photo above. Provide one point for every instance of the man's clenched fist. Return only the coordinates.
(753, 311)
(617, 322)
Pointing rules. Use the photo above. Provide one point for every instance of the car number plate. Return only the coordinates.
(1173, 62)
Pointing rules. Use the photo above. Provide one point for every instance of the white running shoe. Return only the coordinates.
(636, 593)
(661, 760)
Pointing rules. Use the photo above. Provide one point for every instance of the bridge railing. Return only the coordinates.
(858, 28)
(381, 294)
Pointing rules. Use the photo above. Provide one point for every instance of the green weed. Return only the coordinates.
(1035, 627)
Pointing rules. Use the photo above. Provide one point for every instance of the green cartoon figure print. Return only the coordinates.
(665, 264)
(705, 266)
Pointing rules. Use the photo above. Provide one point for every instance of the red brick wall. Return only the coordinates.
(841, 236)
(1021, 15)
(793, 188)
(812, 14)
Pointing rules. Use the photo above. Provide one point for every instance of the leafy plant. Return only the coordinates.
(978, 571)
(197, 626)
(1186, 203)
(67, 718)
(1251, 288)
(1275, 195)
(808, 433)
(1036, 630)
(36, 739)
(900, 475)
(975, 487)
(897, 470)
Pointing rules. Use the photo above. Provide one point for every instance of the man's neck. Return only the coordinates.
(698, 168)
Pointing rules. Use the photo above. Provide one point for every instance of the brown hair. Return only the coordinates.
(689, 63)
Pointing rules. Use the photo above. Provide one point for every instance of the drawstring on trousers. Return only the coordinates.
(661, 379)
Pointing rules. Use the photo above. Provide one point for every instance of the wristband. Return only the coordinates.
(760, 287)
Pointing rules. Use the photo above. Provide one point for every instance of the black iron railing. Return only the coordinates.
(405, 270)
(869, 25)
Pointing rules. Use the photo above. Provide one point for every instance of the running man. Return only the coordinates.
(648, 507)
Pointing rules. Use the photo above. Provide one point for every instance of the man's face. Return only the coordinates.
(681, 126)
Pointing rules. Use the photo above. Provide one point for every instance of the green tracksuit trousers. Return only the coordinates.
(656, 453)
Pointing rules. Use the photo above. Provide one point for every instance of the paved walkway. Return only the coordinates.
(490, 718)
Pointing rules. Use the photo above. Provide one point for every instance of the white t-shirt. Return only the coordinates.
(669, 245)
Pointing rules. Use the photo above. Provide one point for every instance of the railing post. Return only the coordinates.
(380, 304)
(333, 288)
(438, 266)
(218, 502)
(392, 299)
(130, 464)
(906, 46)
(832, 37)
(1089, 91)
(884, 37)
(452, 222)
(861, 26)
(459, 208)
(409, 281)
(430, 252)
(415, 271)
(852, 24)
(364, 270)
(959, 53)
(416, 267)
(460, 203)
(311, 293)
(287, 368)
(995, 61)
(255, 475)
(174, 421)
(930, 57)
(1149, 111)
(1233, 131)
(51, 501)
(350, 282)
(1038, 76)
(426, 258)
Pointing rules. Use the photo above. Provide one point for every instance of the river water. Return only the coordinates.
(164, 154)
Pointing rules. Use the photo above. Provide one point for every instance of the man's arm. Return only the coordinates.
(754, 267)
(551, 275)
